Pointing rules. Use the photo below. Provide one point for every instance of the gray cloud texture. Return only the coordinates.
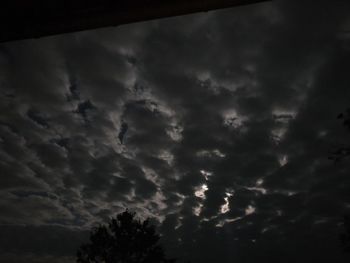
(217, 124)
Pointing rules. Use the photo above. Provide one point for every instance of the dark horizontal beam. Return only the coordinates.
(21, 19)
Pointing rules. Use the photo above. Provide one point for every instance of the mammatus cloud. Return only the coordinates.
(218, 125)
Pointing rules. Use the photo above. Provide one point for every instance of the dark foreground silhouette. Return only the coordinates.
(339, 154)
(124, 239)
(345, 236)
(342, 151)
(36, 18)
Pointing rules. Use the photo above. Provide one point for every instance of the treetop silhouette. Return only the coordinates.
(124, 239)
(343, 151)
(345, 237)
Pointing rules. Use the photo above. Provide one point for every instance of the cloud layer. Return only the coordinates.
(216, 124)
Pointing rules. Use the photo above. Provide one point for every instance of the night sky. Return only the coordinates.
(218, 125)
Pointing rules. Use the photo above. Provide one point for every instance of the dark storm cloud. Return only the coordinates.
(217, 124)
(37, 117)
(285, 78)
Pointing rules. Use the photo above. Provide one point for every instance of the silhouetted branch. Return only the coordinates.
(124, 239)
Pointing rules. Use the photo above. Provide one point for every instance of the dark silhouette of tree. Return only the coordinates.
(345, 237)
(342, 151)
(339, 154)
(345, 116)
(124, 239)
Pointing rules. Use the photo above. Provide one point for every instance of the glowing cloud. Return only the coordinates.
(283, 160)
(233, 119)
(198, 209)
(201, 191)
(226, 207)
(249, 210)
(206, 174)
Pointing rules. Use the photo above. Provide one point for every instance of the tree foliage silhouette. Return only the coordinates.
(124, 239)
(345, 237)
(342, 151)
(339, 154)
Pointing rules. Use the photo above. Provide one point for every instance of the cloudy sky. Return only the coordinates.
(217, 124)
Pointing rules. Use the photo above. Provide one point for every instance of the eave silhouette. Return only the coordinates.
(22, 19)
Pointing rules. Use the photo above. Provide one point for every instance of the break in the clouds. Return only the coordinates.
(216, 124)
